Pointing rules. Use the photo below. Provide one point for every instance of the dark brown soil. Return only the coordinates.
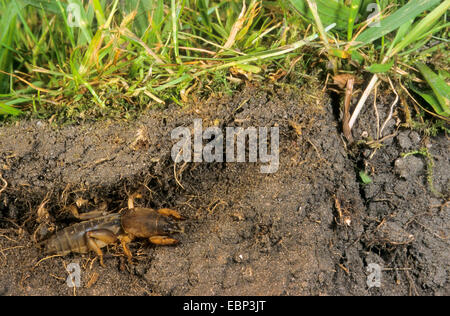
(247, 233)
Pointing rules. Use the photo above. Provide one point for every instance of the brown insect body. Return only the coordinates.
(73, 239)
(145, 223)
(99, 232)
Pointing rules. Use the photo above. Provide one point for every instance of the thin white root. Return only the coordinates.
(362, 101)
(364, 97)
(392, 107)
(376, 111)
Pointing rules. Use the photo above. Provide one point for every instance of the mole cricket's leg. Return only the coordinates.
(103, 235)
(86, 216)
(169, 212)
(124, 240)
(163, 240)
(131, 200)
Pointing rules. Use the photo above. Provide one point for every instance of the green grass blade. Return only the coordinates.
(380, 68)
(84, 25)
(422, 27)
(409, 12)
(99, 14)
(203, 6)
(68, 29)
(49, 5)
(174, 6)
(9, 110)
(401, 33)
(7, 37)
(25, 24)
(330, 11)
(354, 8)
(431, 99)
(440, 88)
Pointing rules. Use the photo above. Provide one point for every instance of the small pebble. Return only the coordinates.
(404, 141)
(415, 137)
(409, 167)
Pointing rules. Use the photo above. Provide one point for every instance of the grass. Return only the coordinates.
(72, 60)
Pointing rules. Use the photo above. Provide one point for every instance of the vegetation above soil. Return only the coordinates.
(75, 59)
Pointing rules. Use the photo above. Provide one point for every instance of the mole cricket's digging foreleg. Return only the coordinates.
(169, 212)
(163, 240)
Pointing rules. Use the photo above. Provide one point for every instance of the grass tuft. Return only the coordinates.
(77, 59)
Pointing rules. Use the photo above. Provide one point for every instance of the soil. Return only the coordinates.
(311, 228)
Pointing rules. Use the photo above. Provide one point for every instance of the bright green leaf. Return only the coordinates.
(330, 11)
(365, 177)
(357, 57)
(440, 88)
(9, 110)
(340, 53)
(380, 68)
(431, 99)
(249, 68)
